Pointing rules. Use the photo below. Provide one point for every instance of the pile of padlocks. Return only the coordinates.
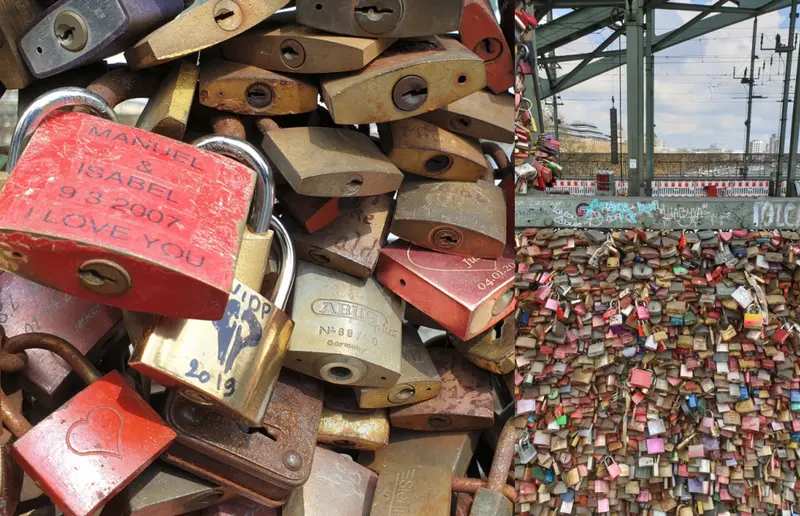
(229, 374)
(537, 162)
(657, 372)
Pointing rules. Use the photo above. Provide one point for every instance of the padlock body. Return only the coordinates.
(352, 243)
(232, 363)
(448, 70)
(464, 295)
(167, 111)
(331, 162)
(364, 430)
(103, 31)
(313, 213)
(481, 34)
(240, 507)
(482, 115)
(418, 380)
(451, 450)
(333, 477)
(426, 150)
(491, 503)
(492, 350)
(98, 434)
(264, 467)
(464, 403)
(347, 330)
(442, 216)
(90, 195)
(17, 17)
(411, 19)
(299, 49)
(27, 307)
(412, 489)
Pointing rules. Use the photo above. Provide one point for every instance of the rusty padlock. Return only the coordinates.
(418, 380)
(346, 425)
(200, 25)
(264, 464)
(451, 450)
(167, 111)
(441, 215)
(313, 213)
(163, 489)
(122, 229)
(248, 90)
(331, 162)
(382, 18)
(482, 115)
(410, 78)
(11, 475)
(27, 307)
(491, 500)
(299, 49)
(239, 507)
(408, 489)
(337, 477)
(232, 363)
(492, 350)
(426, 150)
(466, 296)
(464, 403)
(72, 33)
(17, 17)
(347, 330)
(351, 244)
(98, 432)
(481, 34)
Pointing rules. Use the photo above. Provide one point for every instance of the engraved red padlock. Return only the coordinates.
(92, 447)
(464, 295)
(481, 34)
(118, 215)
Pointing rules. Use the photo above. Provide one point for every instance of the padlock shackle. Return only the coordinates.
(285, 283)
(46, 104)
(471, 486)
(503, 458)
(69, 353)
(16, 423)
(122, 84)
(247, 154)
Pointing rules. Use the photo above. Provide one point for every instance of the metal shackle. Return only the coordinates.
(247, 154)
(46, 104)
(285, 283)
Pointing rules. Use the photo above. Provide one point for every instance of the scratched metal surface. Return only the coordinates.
(624, 212)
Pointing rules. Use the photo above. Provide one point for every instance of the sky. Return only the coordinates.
(698, 103)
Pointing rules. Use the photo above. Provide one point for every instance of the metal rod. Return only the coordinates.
(650, 100)
(785, 98)
(537, 92)
(635, 71)
(791, 190)
(554, 80)
(750, 97)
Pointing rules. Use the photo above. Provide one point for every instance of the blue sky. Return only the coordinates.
(697, 101)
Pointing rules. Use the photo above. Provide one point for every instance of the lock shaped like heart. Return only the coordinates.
(91, 448)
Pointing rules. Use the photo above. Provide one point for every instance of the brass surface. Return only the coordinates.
(481, 115)
(167, 112)
(451, 450)
(355, 431)
(411, 490)
(17, 16)
(492, 350)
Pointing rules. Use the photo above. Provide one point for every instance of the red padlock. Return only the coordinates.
(91, 448)
(481, 34)
(121, 216)
(464, 295)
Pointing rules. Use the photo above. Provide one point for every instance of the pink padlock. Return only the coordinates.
(655, 446)
(613, 469)
(641, 378)
(642, 312)
(551, 304)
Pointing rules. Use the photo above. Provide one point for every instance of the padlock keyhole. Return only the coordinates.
(258, 430)
(374, 13)
(289, 54)
(65, 34)
(340, 373)
(416, 96)
(498, 330)
(92, 277)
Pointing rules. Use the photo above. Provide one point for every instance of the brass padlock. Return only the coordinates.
(167, 111)
(239, 507)
(248, 90)
(163, 489)
(313, 213)
(441, 215)
(336, 477)
(345, 425)
(17, 16)
(406, 489)
(264, 464)
(418, 380)
(390, 19)
(27, 307)
(347, 330)
(299, 49)
(424, 149)
(331, 162)
(464, 403)
(466, 296)
(352, 244)
(200, 25)
(410, 78)
(451, 450)
(232, 363)
(72, 33)
(482, 115)
(492, 350)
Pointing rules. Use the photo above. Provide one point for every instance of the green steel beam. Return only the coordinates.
(574, 25)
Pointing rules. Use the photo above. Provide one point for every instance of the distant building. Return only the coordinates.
(758, 147)
(583, 131)
(772, 148)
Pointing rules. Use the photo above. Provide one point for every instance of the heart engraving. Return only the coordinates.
(99, 434)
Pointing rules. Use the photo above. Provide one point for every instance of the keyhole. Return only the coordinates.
(447, 239)
(461, 122)
(374, 13)
(95, 278)
(289, 54)
(354, 185)
(417, 96)
(227, 15)
(65, 34)
(438, 164)
(259, 95)
(340, 373)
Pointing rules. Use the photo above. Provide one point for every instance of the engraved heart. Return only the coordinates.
(99, 434)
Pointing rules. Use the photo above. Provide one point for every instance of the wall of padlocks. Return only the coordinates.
(666, 188)
(657, 371)
(285, 287)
